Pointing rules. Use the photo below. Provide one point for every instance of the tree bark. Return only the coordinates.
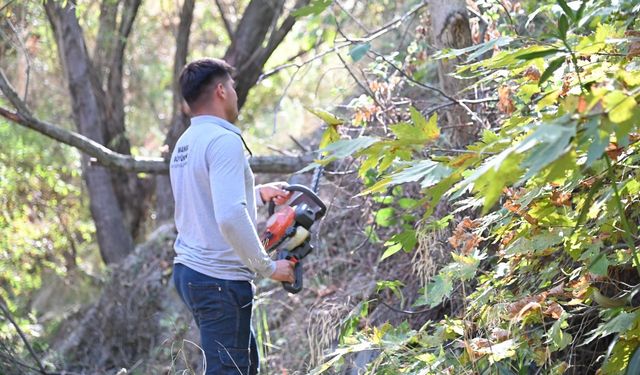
(450, 29)
(248, 52)
(179, 120)
(114, 239)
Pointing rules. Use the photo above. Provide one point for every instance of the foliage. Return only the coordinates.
(556, 183)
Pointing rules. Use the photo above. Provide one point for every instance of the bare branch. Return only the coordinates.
(225, 20)
(343, 44)
(26, 55)
(7, 314)
(111, 159)
(10, 93)
(104, 155)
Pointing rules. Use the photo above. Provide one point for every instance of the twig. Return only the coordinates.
(409, 312)
(302, 147)
(276, 109)
(340, 45)
(26, 55)
(353, 18)
(225, 20)
(7, 314)
(6, 5)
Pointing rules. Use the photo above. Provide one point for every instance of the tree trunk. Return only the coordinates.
(113, 238)
(248, 52)
(450, 29)
(179, 120)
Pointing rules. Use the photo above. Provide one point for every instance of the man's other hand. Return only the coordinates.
(275, 191)
(284, 271)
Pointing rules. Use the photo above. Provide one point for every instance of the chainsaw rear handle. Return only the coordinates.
(306, 191)
(297, 273)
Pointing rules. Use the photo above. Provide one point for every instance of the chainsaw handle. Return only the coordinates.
(306, 191)
(296, 287)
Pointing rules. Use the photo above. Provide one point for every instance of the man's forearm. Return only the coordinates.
(238, 230)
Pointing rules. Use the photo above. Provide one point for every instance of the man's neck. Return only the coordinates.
(211, 112)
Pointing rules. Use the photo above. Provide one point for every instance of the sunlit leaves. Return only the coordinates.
(558, 338)
(428, 171)
(314, 8)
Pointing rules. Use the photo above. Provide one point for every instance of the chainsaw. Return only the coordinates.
(288, 229)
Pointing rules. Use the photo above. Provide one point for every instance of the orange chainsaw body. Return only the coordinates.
(277, 226)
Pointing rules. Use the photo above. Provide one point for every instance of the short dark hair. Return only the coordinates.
(197, 76)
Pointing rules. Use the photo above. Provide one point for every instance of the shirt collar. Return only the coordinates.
(208, 119)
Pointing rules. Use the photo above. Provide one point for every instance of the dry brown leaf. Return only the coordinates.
(588, 182)
(499, 334)
(613, 151)
(505, 103)
(557, 290)
(559, 198)
(554, 310)
(582, 104)
(516, 309)
(528, 307)
(532, 73)
(634, 47)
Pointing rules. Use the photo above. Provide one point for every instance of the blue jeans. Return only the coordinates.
(222, 311)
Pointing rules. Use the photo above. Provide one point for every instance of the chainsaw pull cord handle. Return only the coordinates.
(297, 272)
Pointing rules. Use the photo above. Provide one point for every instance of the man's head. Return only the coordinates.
(207, 87)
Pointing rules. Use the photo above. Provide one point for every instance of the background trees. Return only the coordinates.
(482, 189)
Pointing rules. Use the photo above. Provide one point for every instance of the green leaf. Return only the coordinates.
(619, 357)
(568, 11)
(346, 147)
(596, 139)
(547, 143)
(326, 116)
(405, 240)
(537, 54)
(330, 135)
(634, 363)
(385, 216)
(599, 264)
(359, 51)
(407, 203)
(620, 323)
(429, 127)
(427, 170)
(477, 49)
(558, 338)
(553, 66)
(394, 248)
(436, 291)
(563, 27)
(619, 106)
(421, 131)
(315, 7)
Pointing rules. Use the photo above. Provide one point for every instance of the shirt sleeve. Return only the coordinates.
(258, 197)
(225, 158)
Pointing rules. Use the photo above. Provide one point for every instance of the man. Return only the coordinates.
(218, 250)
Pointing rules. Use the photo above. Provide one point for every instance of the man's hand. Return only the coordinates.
(284, 271)
(275, 191)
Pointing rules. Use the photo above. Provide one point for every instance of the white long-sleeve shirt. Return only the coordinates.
(215, 203)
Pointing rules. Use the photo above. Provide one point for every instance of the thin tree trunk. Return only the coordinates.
(179, 120)
(247, 52)
(450, 29)
(113, 238)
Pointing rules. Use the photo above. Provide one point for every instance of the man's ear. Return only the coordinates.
(220, 90)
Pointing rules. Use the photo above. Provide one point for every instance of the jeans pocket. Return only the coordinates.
(235, 358)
